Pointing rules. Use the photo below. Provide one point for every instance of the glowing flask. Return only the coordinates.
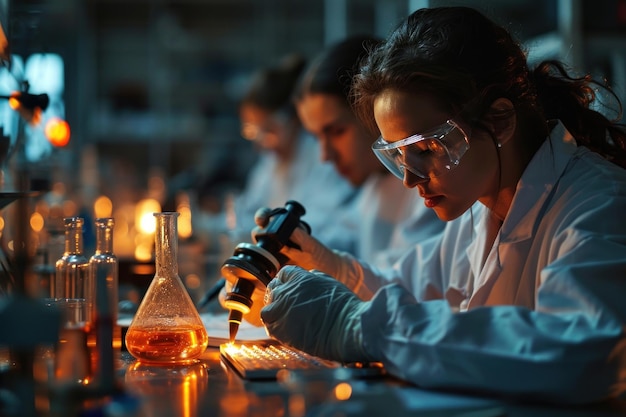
(167, 327)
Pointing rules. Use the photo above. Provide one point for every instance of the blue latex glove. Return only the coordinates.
(315, 313)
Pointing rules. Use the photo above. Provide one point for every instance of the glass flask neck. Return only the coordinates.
(166, 244)
(74, 235)
(104, 235)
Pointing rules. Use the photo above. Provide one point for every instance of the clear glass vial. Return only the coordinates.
(104, 264)
(71, 280)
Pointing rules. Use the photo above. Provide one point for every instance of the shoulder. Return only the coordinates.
(595, 191)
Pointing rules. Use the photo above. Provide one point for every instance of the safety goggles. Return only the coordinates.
(426, 155)
(269, 128)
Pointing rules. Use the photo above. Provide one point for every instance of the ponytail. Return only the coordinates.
(569, 99)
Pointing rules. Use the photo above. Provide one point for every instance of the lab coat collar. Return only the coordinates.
(533, 190)
(536, 184)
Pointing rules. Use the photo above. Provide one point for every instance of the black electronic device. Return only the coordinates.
(255, 265)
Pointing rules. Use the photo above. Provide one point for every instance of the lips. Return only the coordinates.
(433, 201)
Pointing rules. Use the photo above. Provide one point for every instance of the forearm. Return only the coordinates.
(505, 350)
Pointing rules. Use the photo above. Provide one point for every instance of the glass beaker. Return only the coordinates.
(167, 327)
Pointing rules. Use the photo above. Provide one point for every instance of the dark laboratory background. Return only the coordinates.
(150, 88)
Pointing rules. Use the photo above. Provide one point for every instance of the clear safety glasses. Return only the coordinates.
(426, 155)
(270, 127)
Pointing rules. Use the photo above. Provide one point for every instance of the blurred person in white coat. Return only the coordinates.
(289, 165)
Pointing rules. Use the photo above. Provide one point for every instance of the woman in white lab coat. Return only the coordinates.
(524, 294)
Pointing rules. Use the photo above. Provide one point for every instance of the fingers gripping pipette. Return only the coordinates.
(255, 265)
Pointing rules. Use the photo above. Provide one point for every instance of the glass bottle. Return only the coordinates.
(71, 280)
(73, 291)
(103, 271)
(167, 327)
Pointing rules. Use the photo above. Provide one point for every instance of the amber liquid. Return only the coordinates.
(173, 345)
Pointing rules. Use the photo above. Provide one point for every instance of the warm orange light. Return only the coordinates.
(36, 222)
(103, 206)
(14, 103)
(144, 215)
(183, 206)
(143, 252)
(58, 132)
(193, 281)
(343, 391)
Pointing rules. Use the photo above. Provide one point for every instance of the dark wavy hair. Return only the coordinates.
(466, 61)
(331, 72)
(271, 88)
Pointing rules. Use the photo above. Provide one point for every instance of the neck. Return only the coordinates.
(513, 162)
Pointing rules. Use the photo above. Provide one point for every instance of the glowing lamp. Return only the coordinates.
(14, 103)
(58, 132)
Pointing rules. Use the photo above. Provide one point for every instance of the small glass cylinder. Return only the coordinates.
(103, 271)
(105, 264)
(167, 327)
(72, 279)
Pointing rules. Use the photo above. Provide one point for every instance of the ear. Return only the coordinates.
(501, 118)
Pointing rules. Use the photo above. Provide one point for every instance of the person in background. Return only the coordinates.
(522, 296)
(289, 167)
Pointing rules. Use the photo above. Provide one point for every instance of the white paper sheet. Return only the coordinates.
(217, 328)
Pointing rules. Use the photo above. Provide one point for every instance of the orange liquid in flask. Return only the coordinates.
(169, 345)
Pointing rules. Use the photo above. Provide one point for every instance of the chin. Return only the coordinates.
(356, 181)
(447, 215)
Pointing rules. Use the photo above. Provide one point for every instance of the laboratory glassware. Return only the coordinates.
(167, 327)
(72, 280)
(106, 334)
(104, 264)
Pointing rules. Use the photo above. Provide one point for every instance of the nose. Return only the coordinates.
(411, 180)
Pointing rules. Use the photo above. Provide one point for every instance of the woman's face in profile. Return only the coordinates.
(343, 139)
(400, 115)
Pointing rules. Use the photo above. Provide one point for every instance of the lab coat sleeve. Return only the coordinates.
(505, 350)
(570, 348)
(431, 269)
(409, 271)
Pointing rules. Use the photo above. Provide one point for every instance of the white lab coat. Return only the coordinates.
(390, 219)
(545, 315)
(315, 184)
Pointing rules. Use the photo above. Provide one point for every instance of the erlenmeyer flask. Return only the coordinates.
(167, 327)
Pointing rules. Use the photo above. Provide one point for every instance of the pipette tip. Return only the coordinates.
(233, 328)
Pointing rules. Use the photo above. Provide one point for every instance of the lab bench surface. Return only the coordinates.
(211, 388)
